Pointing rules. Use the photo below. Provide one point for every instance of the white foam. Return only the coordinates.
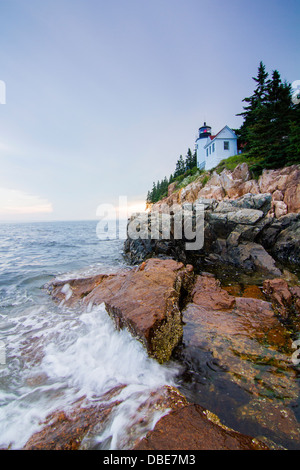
(77, 354)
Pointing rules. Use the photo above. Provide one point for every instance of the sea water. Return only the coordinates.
(51, 355)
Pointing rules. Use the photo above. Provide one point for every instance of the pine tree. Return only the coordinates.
(180, 167)
(253, 111)
(153, 193)
(195, 159)
(189, 160)
(278, 115)
(270, 126)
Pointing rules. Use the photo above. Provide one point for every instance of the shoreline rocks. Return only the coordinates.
(238, 233)
(146, 300)
(169, 304)
(199, 430)
(283, 185)
(194, 315)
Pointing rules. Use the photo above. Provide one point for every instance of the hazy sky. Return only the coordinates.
(102, 97)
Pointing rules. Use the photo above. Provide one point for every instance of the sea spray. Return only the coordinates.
(71, 354)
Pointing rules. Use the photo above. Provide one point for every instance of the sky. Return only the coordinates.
(100, 98)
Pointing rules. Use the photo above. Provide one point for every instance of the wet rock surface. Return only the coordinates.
(66, 430)
(231, 338)
(236, 334)
(199, 430)
(285, 298)
(145, 300)
(81, 426)
(237, 348)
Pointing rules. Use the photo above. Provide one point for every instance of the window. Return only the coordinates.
(213, 147)
(207, 152)
(210, 150)
(226, 145)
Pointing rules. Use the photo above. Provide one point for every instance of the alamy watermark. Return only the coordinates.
(2, 92)
(172, 222)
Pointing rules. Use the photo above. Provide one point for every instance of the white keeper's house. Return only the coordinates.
(211, 149)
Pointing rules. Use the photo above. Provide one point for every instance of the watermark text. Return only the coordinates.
(174, 222)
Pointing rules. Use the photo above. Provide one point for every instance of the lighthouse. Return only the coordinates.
(201, 141)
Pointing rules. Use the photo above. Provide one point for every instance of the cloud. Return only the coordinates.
(16, 202)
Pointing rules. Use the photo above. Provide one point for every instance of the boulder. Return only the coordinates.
(254, 201)
(285, 298)
(241, 173)
(245, 216)
(292, 197)
(280, 208)
(286, 245)
(284, 185)
(212, 192)
(247, 187)
(209, 204)
(190, 192)
(279, 180)
(277, 195)
(146, 300)
(208, 293)
(252, 257)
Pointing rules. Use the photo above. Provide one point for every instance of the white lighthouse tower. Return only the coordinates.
(201, 141)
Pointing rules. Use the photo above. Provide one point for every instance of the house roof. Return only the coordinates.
(213, 137)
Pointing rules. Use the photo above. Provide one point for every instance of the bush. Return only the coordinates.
(232, 162)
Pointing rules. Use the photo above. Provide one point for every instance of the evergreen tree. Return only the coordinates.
(180, 167)
(279, 114)
(194, 159)
(253, 110)
(270, 124)
(189, 160)
(153, 193)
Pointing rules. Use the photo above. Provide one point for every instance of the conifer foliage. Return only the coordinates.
(271, 126)
(184, 167)
(269, 134)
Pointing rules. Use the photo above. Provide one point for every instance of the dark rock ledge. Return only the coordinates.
(238, 233)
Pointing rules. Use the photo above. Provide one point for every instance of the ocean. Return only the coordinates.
(51, 355)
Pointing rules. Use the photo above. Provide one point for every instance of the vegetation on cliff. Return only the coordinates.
(271, 127)
(184, 168)
(269, 136)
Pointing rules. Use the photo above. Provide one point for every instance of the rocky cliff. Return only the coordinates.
(282, 184)
(250, 225)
